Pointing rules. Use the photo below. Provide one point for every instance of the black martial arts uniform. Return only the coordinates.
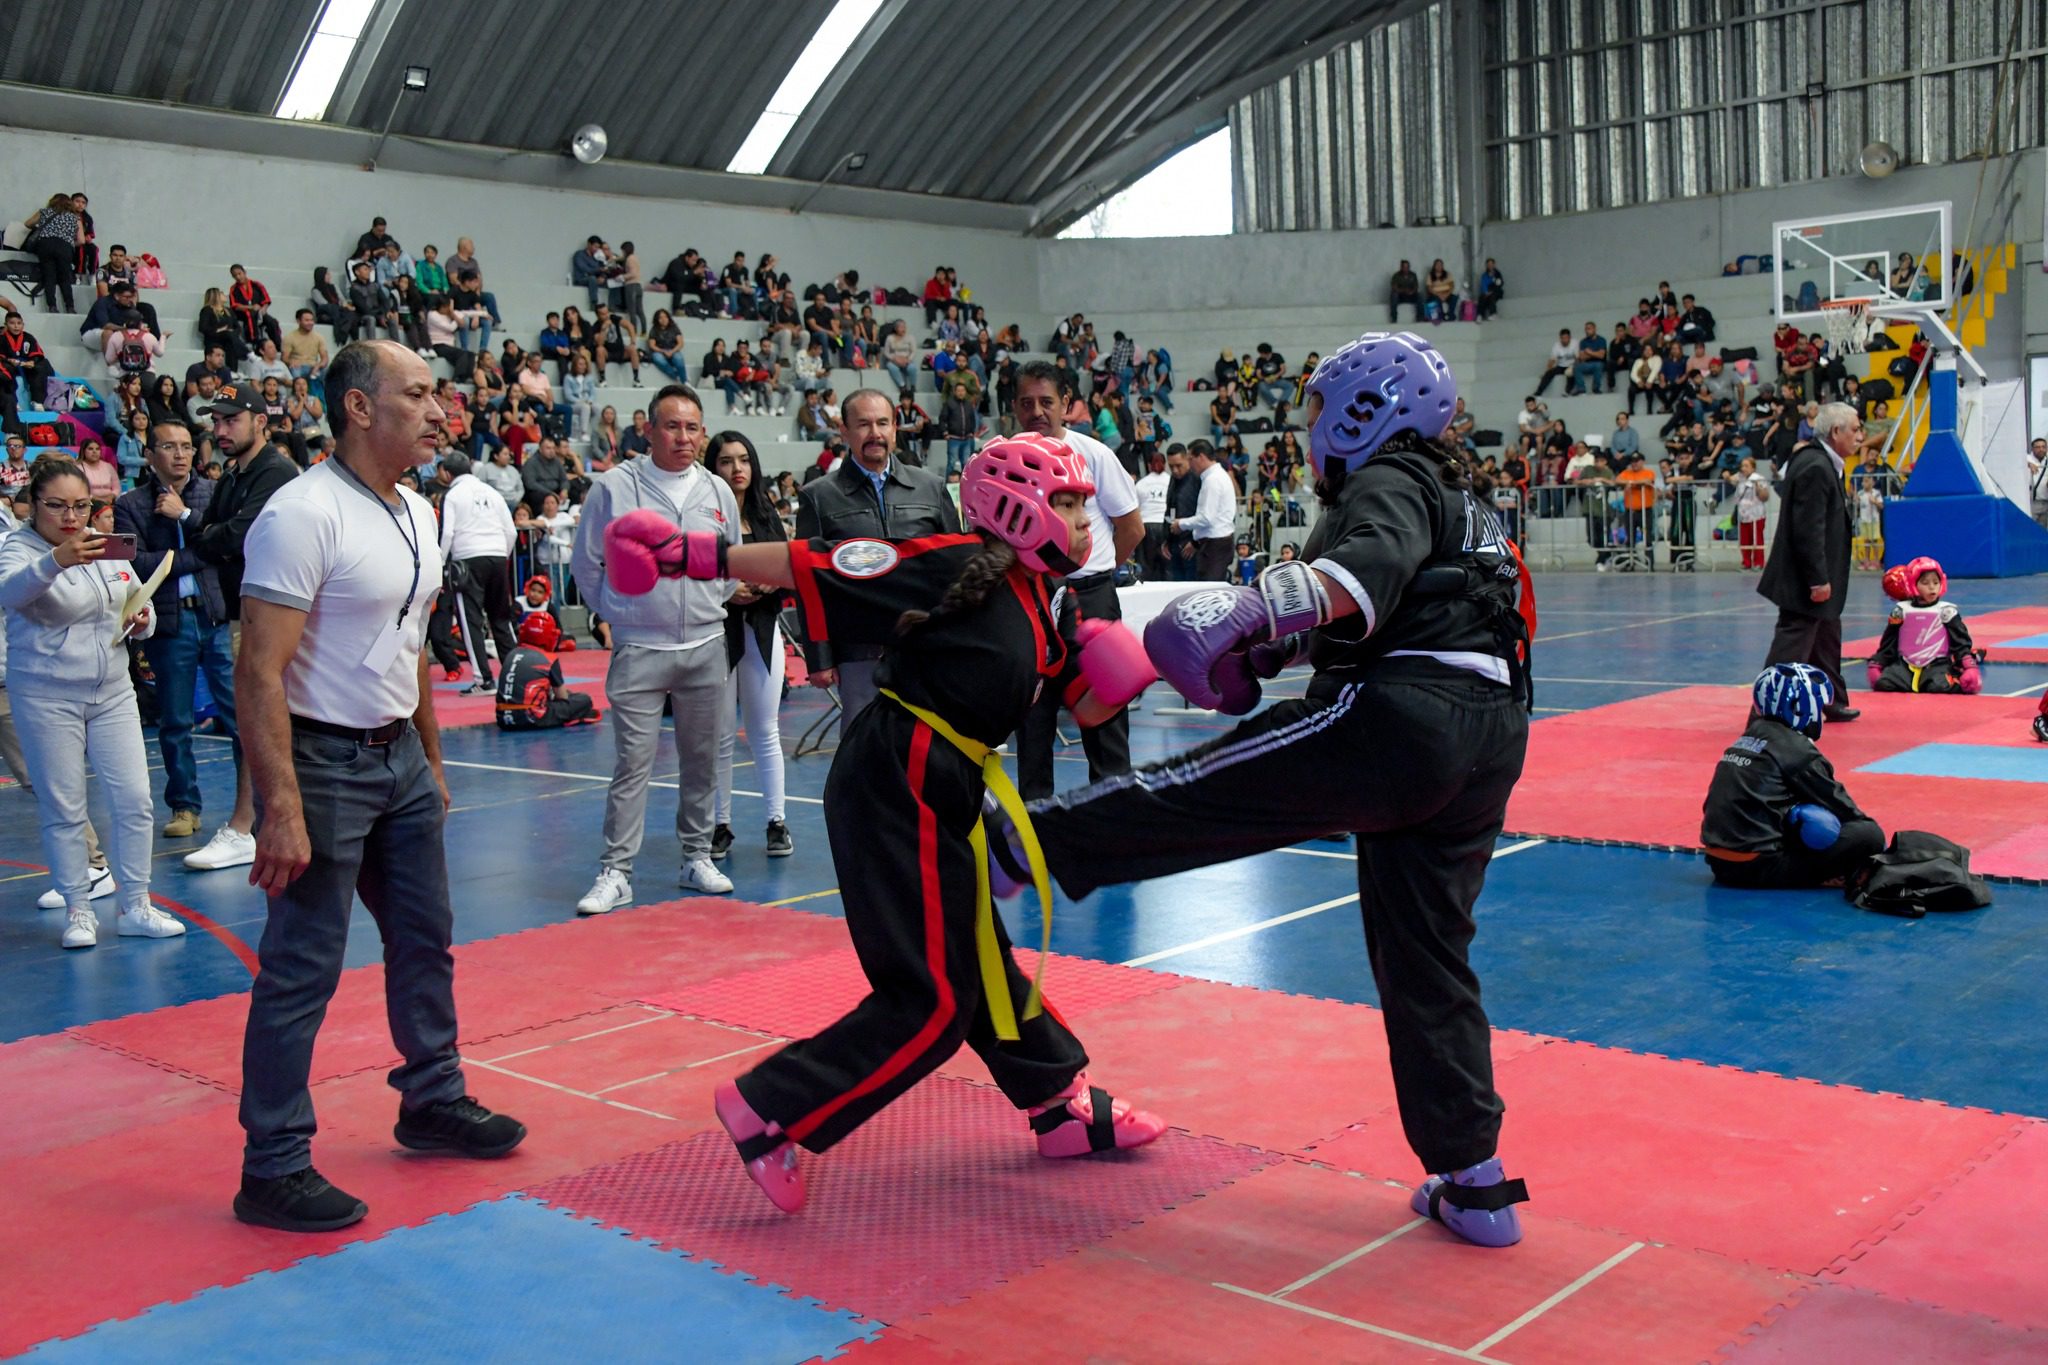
(1758, 781)
(900, 803)
(1412, 734)
(527, 682)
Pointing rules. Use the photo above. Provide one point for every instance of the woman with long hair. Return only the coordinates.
(665, 347)
(218, 327)
(753, 648)
(969, 639)
(67, 676)
(163, 400)
(102, 476)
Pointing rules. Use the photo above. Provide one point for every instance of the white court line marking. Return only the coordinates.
(1318, 853)
(654, 1017)
(1559, 1297)
(1374, 1328)
(596, 777)
(1246, 930)
(1655, 621)
(2025, 691)
(1348, 1257)
(566, 1090)
(691, 1066)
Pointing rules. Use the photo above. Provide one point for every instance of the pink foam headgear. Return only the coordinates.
(1902, 581)
(1007, 490)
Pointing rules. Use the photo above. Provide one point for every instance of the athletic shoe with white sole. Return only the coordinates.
(147, 921)
(780, 845)
(610, 891)
(99, 887)
(701, 874)
(81, 929)
(227, 848)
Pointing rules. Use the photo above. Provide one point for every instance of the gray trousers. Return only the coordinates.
(636, 684)
(856, 689)
(59, 734)
(374, 815)
(17, 764)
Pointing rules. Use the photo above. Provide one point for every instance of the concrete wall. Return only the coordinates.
(178, 202)
(1256, 270)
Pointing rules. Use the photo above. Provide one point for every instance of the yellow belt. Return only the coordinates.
(995, 977)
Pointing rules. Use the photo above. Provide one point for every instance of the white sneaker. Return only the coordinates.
(81, 929)
(227, 848)
(701, 874)
(99, 887)
(610, 891)
(148, 922)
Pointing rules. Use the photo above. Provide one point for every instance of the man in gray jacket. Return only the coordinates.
(668, 645)
(871, 493)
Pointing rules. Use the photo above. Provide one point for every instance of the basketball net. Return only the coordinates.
(1849, 324)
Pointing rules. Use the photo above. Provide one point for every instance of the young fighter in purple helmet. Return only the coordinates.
(1408, 601)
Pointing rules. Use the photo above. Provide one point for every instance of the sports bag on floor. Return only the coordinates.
(1919, 873)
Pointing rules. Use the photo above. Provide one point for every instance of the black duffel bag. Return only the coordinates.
(1918, 874)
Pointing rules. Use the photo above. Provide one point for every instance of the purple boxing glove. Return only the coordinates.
(1199, 642)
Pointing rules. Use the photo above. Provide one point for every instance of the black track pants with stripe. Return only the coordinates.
(899, 804)
(1420, 768)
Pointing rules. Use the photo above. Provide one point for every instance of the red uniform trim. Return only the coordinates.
(803, 569)
(934, 949)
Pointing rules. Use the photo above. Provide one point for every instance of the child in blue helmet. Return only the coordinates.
(1776, 815)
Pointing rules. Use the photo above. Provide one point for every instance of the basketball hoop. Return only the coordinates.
(1848, 323)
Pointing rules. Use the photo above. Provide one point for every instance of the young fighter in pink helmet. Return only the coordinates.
(970, 638)
(1925, 646)
(1411, 605)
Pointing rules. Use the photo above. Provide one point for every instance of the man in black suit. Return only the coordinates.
(873, 492)
(1807, 575)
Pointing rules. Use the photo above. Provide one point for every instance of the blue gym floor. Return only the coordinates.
(1613, 946)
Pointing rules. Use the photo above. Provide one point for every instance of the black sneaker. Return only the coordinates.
(462, 1126)
(721, 843)
(300, 1202)
(779, 845)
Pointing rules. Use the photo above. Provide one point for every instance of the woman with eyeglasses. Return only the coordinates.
(67, 676)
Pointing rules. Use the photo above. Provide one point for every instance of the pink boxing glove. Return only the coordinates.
(637, 548)
(1113, 662)
(1874, 672)
(1971, 680)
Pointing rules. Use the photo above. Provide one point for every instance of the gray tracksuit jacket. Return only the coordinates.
(61, 622)
(679, 611)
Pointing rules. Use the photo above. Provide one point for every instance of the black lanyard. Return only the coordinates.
(410, 537)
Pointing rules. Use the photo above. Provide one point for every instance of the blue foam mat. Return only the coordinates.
(1976, 762)
(508, 1280)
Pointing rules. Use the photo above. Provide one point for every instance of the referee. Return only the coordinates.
(338, 725)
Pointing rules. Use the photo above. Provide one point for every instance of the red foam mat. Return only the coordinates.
(652, 950)
(941, 1195)
(1976, 1247)
(798, 998)
(1987, 632)
(1277, 1071)
(204, 1038)
(1838, 1326)
(1781, 1172)
(1638, 770)
(64, 1093)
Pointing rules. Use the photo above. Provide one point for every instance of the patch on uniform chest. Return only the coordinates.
(864, 558)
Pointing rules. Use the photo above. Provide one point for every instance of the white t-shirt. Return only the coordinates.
(1152, 498)
(1115, 496)
(326, 545)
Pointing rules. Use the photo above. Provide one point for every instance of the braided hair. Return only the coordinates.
(977, 578)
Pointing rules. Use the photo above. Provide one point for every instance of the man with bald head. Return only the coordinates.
(338, 724)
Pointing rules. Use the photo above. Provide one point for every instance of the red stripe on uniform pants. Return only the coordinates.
(934, 949)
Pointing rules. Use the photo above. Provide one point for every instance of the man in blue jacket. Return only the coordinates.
(193, 634)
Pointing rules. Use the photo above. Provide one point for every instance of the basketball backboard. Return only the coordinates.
(1858, 256)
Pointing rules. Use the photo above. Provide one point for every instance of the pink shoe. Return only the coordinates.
(1083, 1119)
(770, 1157)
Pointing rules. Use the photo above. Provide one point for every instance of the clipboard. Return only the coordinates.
(139, 596)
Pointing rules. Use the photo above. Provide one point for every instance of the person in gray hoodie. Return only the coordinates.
(66, 611)
(668, 645)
